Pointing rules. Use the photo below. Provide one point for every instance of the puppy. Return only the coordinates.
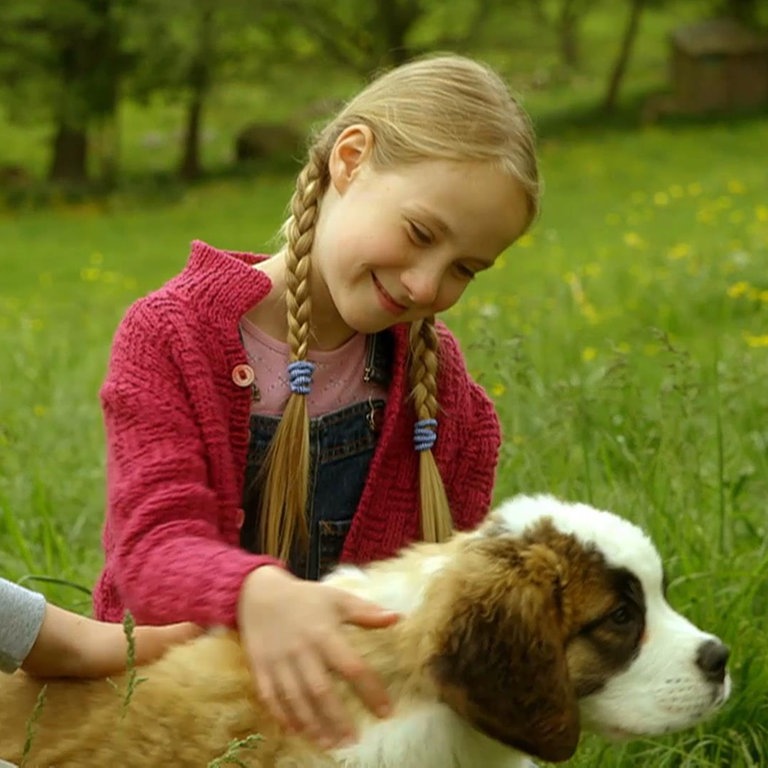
(548, 618)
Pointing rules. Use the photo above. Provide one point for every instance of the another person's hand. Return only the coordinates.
(71, 645)
(291, 631)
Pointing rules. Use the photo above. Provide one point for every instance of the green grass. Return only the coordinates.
(625, 342)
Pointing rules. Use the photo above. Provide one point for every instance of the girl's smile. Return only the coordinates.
(386, 299)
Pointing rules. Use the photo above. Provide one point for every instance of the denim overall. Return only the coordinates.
(341, 446)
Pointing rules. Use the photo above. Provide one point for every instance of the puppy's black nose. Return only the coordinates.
(711, 659)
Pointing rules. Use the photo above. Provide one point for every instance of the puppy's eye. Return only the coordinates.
(622, 615)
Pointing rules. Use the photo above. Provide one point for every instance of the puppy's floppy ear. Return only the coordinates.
(500, 662)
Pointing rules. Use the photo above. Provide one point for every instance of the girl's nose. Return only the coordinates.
(421, 284)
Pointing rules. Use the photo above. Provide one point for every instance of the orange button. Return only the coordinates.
(243, 375)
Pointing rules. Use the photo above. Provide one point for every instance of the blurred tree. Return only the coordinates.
(184, 49)
(367, 35)
(743, 10)
(61, 57)
(566, 17)
(619, 68)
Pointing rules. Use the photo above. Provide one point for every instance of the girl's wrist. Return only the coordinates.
(262, 584)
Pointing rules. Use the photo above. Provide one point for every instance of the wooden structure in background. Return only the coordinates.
(718, 65)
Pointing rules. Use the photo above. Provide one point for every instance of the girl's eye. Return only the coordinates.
(420, 235)
(466, 272)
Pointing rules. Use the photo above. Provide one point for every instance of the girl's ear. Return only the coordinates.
(350, 152)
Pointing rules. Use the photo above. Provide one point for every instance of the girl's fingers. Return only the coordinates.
(290, 691)
(331, 720)
(368, 685)
(268, 694)
(355, 610)
(152, 642)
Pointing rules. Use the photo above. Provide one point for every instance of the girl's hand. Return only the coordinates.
(291, 631)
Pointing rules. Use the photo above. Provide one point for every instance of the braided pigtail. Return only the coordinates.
(286, 468)
(437, 108)
(436, 521)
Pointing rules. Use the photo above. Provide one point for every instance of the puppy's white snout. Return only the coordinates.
(711, 659)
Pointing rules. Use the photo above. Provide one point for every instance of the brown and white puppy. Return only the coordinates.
(548, 618)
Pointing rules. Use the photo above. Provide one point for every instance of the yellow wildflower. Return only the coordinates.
(736, 290)
(526, 241)
(633, 240)
(679, 251)
(90, 274)
(756, 341)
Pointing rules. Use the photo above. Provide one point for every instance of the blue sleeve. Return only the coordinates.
(21, 616)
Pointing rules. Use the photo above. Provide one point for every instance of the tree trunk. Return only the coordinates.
(190, 167)
(393, 21)
(199, 81)
(106, 151)
(620, 66)
(568, 34)
(69, 162)
(88, 62)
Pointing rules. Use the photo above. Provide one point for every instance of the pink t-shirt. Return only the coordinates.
(336, 382)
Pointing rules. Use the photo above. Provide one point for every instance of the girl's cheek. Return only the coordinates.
(448, 298)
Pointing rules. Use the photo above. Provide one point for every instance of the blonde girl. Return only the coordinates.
(270, 416)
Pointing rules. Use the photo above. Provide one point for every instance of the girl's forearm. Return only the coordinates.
(70, 645)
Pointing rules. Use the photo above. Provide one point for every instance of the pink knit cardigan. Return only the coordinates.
(177, 434)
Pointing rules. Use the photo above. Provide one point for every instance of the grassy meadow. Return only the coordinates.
(624, 340)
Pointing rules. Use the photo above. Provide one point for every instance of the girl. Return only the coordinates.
(269, 416)
(48, 641)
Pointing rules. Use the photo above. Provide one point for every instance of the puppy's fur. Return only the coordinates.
(547, 618)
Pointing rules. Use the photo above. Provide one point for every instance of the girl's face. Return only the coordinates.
(402, 244)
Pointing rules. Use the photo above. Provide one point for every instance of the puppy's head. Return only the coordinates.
(549, 613)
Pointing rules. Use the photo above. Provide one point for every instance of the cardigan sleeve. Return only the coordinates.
(470, 433)
(170, 540)
(21, 617)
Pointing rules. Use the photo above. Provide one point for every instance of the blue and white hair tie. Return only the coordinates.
(300, 373)
(424, 434)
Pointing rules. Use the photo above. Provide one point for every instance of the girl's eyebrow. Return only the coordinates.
(434, 219)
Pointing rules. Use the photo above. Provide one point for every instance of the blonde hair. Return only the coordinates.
(438, 108)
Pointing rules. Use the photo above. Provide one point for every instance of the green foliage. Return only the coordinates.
(232, 754)
(134, 680)
(32, 728)
(624, 341)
